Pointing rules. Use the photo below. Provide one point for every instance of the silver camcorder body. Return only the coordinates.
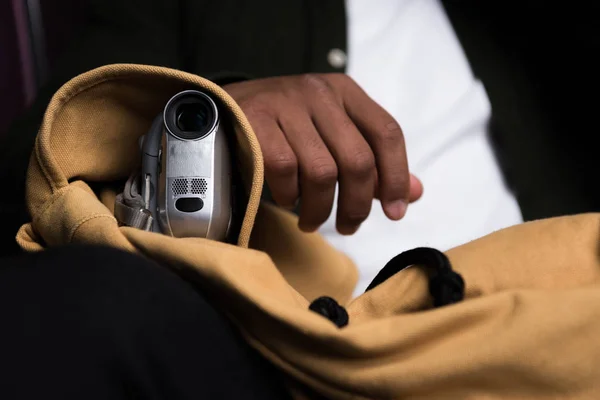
(186, 162)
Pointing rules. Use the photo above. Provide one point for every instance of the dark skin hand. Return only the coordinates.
(317, 130)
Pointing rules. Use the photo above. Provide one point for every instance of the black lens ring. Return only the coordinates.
(190, 97)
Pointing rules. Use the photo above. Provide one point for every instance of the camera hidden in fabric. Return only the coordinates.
(528, 327)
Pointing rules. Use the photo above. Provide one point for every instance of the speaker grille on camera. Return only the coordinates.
(180, 186)
(184, 186)
(199, 186)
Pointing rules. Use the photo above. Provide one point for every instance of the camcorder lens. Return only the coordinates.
(192, 117)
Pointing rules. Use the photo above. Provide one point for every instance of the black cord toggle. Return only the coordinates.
(330, 309)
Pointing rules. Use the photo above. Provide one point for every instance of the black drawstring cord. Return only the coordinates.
(445, 285)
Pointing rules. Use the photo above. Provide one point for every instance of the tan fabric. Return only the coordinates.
(529, 328)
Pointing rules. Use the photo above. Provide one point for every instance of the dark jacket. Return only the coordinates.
(542, 125)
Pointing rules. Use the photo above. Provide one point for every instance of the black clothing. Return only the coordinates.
(82, 322)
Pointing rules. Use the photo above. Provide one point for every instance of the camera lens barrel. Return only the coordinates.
(190, 115)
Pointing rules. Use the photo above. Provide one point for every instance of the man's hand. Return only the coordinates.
(320, 129)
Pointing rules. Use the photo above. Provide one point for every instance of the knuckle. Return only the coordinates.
(390, 133)
(323, 173)
(281, 162)
(314, 80)
(318, 85)
(257, 107)
(362, 164)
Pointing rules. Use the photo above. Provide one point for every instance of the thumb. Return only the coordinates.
(415, 192)
(416, 189)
